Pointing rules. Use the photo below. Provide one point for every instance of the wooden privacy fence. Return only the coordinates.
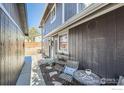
(11, 50)
(32, 48)
(32, 44)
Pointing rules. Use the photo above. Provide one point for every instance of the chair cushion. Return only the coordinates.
(66, 77)
(69, 70)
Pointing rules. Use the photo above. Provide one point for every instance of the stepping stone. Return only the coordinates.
(48, 67)
(56, 83)
(53, 73)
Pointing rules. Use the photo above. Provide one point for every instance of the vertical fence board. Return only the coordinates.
(11, 50)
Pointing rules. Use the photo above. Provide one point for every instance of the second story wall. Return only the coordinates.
(63, 13)
(70, 9)
(49, 26)
(81, 6)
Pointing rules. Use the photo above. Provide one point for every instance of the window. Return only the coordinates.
(53, 13)
(63, 43)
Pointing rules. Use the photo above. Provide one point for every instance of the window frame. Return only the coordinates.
(60, 34)
(53, 18)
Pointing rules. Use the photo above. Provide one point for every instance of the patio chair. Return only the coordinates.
(59, 62)
(61, 59)
(69, 69)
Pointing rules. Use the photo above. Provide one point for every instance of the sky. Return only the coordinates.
(35, 12)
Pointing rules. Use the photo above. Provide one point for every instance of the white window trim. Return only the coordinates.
(54, 6)
(62, 33)
(77, 8)
(63, 12)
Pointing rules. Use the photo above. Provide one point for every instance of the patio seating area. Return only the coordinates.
(64, 70)
(55, 73)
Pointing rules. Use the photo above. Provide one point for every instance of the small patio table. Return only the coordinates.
(82, 77)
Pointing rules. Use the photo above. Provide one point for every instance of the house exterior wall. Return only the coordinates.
(80, 7)
(48, 26)
(70, 10)
(99, 44)
(11, 46)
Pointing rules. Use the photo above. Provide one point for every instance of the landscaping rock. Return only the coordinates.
(48, 67)
(53, 73)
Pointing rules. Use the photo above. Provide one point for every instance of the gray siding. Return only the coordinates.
(11, 49)
(99, 44)
(70, 10)
(58, 21)
(13, 11)
(81, 6)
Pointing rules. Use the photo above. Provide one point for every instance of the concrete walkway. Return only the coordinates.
(25, 75)
(36, 75)
(31, 73)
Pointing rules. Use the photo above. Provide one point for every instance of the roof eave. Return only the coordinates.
(22, 8)
(45, 13)
(86, 16)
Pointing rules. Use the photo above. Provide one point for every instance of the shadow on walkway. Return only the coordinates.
(25, 75)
